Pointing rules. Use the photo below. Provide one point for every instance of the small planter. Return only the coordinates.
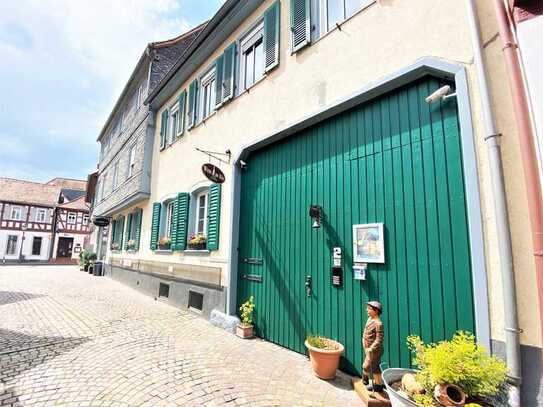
(244, 331)
(325, 362)
(165, 246)
(197, 246)
(392, 378)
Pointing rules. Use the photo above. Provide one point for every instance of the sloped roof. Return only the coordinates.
(72, 194)
(78, 204)
(20, 191)
(68, 183)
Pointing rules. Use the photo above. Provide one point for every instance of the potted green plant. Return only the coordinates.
(164, 243)
(324, 354)
(245, 329)
(452, 372)
(83, 260)
(115, 246)
(197, 242)
(91, 259)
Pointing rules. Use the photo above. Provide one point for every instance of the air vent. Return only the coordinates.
(164, 290)
(196, 301)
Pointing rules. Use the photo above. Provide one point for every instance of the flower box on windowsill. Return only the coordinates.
(197, 246)
(165, 246)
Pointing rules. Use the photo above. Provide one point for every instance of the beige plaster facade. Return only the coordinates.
(376, 42)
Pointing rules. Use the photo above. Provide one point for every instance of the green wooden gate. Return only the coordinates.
(395, 160)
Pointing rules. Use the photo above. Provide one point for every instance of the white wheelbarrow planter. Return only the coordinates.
(392, 376)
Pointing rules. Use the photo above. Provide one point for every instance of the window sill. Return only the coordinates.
(195, 251)
(164, 251)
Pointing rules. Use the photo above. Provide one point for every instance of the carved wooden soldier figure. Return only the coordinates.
(372, 340)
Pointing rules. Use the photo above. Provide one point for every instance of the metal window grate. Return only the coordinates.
(196, 301)
(164, 290)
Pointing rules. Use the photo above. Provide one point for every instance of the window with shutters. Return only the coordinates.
(207, 93)
(201, 213)
(327, 15)
(252, 57)
(174, 123)
(11, 247)
(167, 231)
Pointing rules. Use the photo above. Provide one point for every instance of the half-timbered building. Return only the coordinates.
(26, 220)
(35, 217)
(72, 229)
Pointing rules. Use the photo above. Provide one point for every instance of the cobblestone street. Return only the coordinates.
(68, 338)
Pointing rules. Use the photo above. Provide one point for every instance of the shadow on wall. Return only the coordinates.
(10, 297)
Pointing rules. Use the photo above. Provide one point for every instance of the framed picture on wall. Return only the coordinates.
(369, 243)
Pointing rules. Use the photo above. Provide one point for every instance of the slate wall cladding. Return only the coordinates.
(137, 129)
(165, 57)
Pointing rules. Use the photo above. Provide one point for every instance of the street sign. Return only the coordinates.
(213, 173)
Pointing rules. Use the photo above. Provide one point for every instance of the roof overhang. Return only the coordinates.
(218, 29)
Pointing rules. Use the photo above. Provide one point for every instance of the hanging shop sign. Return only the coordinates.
(368, 243)
(101, 222)
(213, 173)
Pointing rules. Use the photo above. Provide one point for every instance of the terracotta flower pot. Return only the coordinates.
(244, 331)
(449, 395)
(325, 362)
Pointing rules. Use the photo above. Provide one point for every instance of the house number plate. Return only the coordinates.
(257, 262)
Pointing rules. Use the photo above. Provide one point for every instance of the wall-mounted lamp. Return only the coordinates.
(315, 212)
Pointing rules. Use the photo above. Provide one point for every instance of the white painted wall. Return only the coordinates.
(27, 245)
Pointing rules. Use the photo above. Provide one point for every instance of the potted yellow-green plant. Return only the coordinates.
(164, 243)
(245, 329)
(458, 372)
(131, 244)
(324, 354)
(197, 242)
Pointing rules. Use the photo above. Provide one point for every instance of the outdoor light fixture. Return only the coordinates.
(315, 212)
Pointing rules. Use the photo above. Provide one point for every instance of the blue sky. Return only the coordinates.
(63, 65)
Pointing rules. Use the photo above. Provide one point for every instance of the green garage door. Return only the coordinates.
(395, 160)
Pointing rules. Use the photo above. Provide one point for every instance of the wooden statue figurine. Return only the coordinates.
(372, 340)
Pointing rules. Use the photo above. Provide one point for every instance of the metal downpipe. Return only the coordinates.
(512, 332)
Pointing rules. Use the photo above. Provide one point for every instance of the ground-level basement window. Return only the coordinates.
(163, 290)
(196, 301)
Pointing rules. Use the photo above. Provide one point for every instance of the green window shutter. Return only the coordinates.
(272, 18)
(113, 232)
(173, 226)
(137, 225)
(182, 112)
(163, 129)
(128, 230)
(219, 65)
(228, 72)
(182, 212)
(193, 103)
(155, 225)
(121, 233)
(213, 216)
(300, 24)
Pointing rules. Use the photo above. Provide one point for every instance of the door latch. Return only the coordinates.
(308, 286)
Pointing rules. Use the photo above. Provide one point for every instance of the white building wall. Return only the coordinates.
(27, 245)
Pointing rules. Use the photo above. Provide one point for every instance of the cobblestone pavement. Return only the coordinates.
(70, 339)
